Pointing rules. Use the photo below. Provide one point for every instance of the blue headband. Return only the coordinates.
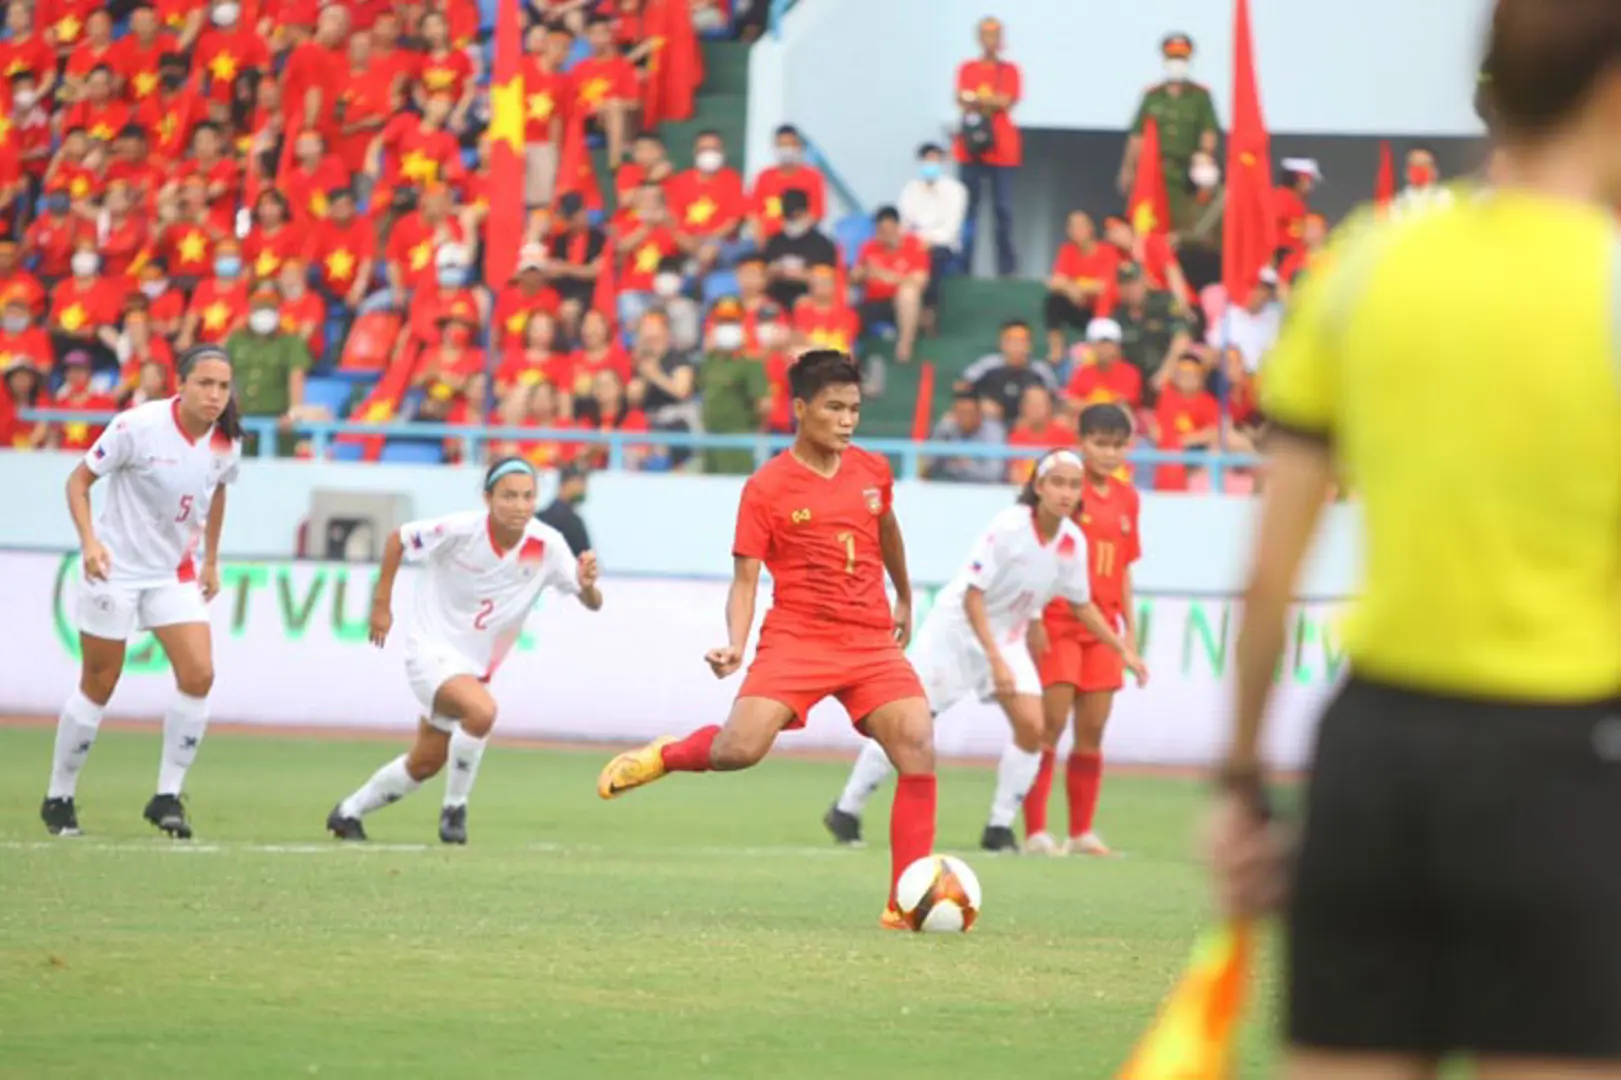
(507, 468)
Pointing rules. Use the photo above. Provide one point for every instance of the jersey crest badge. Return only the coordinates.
(875, 500)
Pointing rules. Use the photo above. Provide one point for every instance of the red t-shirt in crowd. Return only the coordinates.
(339, 250)
(831, 327)
(1117, 383)
(1096, 267)
(1179, 415)
(907, 258)
(220, 308)
(765, 201)
(79, 307)
(706, 204)
(982, 78)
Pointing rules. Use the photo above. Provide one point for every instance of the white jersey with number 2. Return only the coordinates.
(1018, 574)
(473, 597)
(159, 483)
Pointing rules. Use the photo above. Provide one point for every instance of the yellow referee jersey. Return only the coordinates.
(1465, 361)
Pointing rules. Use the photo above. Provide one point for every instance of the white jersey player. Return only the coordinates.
(149, 563)
(973, 642)
(482, 572)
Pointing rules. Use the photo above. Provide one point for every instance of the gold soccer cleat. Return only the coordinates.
(892, 919)
(633, 768)
(1089, 844)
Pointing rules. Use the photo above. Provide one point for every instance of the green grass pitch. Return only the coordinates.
(702, 927)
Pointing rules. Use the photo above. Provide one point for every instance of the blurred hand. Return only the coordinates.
(1002, 677)
(97, 563)
(724, 661)
(1135, 665)
(586, 570)
(903, 623)
(210, 580)
(1247, 855)
(382, 621)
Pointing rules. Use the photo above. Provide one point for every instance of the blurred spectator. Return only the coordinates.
(93, 51)
(268, 369)
(536, 409)
(563, 514)
(20, 339)
(314, 73)
(445, 69)
(63, 21)
(649, 164)
(989, 145)
(576, 259)
(664, 383)
(645, 240)
(1239, 398)
(452, 284)
(708, 205)
(219, 174)
(605, 89)
(1082, 285)
(600, 350)
(97, 111)
(187, 242)
(1038, 428)
(138, 348)
(219, 304)
(735, 390)
(545, 101)
(313, 173)
(121, 231)
(1104, 377)
(1186, 117)
(822, 320)
(231, 57)
(414, 244)
(444, 369)
(138, 55)
(524, 295)
(1422, 185)
(752, 294)
(1154, 256)
(31, 129)
(893, 270)
(370, 86)
(51, 239)
(25, 49)
(681, 311)
(1252, 327)
(532, 357)
(1000, 379)
(933, 208)
(303, 313)
(967, 423)
(15, 280)
(1301, 260)
(77, 395)
(24, 387)
(606, 408)
(1289, 201)
(1186, 417)
(1209, 197)
(343, 248)
(165, 305)
(172, 114)
(415, 151)
(1152, 332)
(768, 206)
(272, 239)
(85, 307)
(796, 247)
(769, 338)
(152, 383)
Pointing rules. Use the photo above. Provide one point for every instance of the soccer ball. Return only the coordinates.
(938, 894)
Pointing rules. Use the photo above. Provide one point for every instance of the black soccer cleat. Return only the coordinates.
(60, 816)
(999, 838)
(169, 815)
(453, 825)
(344, 828)
(845, 828)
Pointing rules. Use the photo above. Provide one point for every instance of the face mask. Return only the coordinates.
(667, 285)
(728, 337)
(24, 100)
(1204, 174)
(1420, 176)
(228, 266)
(709, 161)
(788, 155)
(930, 171)
(85, 263)
(154, 289)
(1176, 70)
(226, 14)
(263, 320)
(450, 277)
(15, 324)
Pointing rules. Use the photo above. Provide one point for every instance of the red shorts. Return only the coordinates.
(1089, 666)
(863, 675)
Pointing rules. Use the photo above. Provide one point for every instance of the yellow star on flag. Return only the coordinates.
(267, 263)
(340, 265)
(15, 66)
(318, 204)
(701, 211)
(595, 91)
(167, 125)
(539, 107)
(1246, 159)
(216, 315)
(773, 206)
(647, 258)
(68, 27)
(193, 247)
(76, 432)
(102, 131)
(5, 129)
(420, 255)
(288, 323)
(73, 318)
(1143, 219)
(438, 78)
(506, 114)
(145, 83)
(80, 187)
(379, 412)
(223, 67)
(419, 166)
(517, 321)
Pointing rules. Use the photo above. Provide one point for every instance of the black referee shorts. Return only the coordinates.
(1458, 886)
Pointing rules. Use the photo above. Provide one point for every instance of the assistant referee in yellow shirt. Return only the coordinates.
(1456, 888)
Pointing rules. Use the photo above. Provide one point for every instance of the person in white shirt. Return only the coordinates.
(1252, 327)
(973, 641)
(482, 572)
(933, 207)
(166, 464)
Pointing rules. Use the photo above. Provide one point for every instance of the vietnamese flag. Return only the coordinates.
(1149, 207)
(1193, 1036)
(1249, 227)
(1384, 185)
(503, 225)
(379, 408)
(677, 58)
(574, 171)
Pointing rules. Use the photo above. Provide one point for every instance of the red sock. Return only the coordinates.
(1084, 779)
(1035, 803)
(692, 753)
(911, 825)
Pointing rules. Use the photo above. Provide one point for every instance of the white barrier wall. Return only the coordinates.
(290, 647)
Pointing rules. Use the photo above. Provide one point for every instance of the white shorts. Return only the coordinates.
(428, 666)
(953, 667)
(113, 611)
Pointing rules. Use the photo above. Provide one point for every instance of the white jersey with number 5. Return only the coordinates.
(473, 597)
(1018, 575)
(160, 483)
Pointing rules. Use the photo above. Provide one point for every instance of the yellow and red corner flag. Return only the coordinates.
(1384, 185)
(503, 225)
(1249, 231)
(1149, 207)
(1193, 1037)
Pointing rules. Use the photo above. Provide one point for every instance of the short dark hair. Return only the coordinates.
(787, 129)
(819, 369)
(965, 393)
(1544, 59)
(930, 148)
(1104, 419)
(1015, 324)
(708, 133)
(650, 136)
(887, 213)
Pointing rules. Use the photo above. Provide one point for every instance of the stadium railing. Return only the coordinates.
(911, 455)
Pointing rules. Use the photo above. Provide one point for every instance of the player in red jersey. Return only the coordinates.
(819, 518)
(1080, 674)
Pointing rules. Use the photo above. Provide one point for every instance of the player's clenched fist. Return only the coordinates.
(382, 621)
(724, 661)
(586, 570)
(97, 563)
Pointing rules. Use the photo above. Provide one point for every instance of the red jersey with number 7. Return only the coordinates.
(818, 536)
(1108, 518)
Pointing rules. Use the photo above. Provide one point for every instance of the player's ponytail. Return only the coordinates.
(230, 422)
(1027, 494)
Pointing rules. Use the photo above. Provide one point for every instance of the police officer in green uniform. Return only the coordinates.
(1186, 116)
(1152, 333)
(268, 368)
(734, 387)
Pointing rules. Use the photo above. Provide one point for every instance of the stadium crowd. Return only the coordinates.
(308, 184)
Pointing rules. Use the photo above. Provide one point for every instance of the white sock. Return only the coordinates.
(387, 785)
(183, 727)
(871, 769)
(466, 751)
(1014, 775)
(75, 735)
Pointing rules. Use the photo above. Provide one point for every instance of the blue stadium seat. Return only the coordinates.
(348, 451)
(362, 381)
(850, 233)
(329, 393)
(720, 283)
(412, 452)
